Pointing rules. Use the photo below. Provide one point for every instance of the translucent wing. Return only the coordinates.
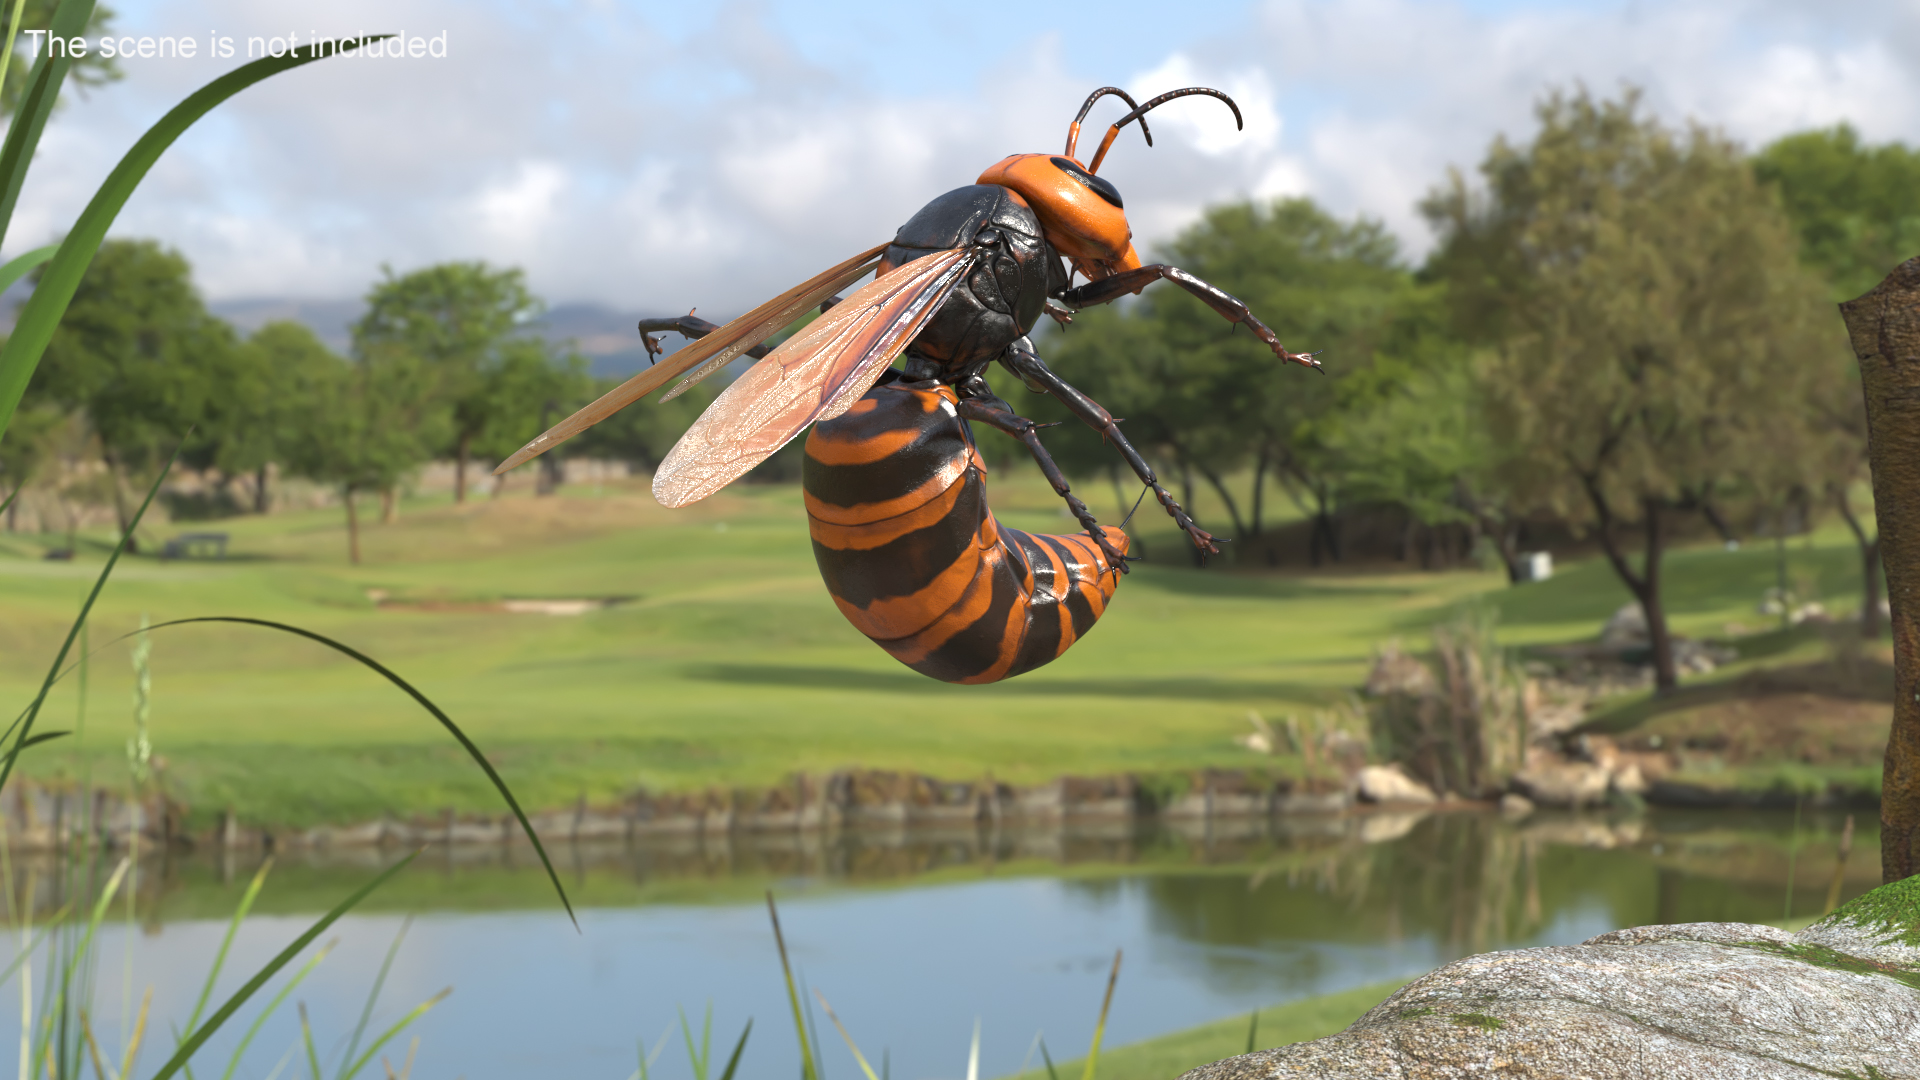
(815, 375)
(709, 353)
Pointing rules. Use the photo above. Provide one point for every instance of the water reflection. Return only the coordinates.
(913, 935)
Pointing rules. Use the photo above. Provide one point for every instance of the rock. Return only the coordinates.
(1840, 998)
(1387, 784)
(1626, 627)
(1564, 783)
(1515, 806)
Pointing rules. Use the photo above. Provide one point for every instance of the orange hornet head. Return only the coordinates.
(1080, 212)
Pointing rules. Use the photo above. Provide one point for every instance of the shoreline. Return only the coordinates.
(39, 817)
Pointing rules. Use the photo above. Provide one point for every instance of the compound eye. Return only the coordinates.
(1098, 185)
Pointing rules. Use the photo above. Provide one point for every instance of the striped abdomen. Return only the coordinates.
(897, 504)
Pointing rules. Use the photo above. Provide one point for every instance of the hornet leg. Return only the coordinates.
(1024, 362)
(691, 327)
(687, 326)
(978, 402)
(1229, 307)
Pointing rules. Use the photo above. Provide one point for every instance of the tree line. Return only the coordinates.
(1623, 326)
(445, 363)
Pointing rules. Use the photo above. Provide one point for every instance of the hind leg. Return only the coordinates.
(1024, 362)
(978, 402)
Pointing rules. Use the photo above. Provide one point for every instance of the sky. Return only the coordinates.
(656, 157)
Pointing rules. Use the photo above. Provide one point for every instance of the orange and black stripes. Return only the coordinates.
(897, 505)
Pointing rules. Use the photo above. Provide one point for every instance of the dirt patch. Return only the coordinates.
(1830, 713)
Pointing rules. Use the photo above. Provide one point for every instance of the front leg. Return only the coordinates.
(978, 402)
(1024, 362)
(1230, 308)
(688, 326)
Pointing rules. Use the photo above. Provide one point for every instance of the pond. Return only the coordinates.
(913, 938)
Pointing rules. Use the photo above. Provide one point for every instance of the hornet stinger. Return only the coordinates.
(895, 489)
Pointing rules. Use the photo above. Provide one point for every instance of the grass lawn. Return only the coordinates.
(1280, 1025)
(728, 665)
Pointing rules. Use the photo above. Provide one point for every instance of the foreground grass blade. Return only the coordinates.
(306, 1036)
(808, 1071)
(36, 104)
(1052, 1073)
(25, 724)
(203, 1032)
(1253, 1028)
(973, 1053)
(274, 1007)
(387, 1036)
(857, 1055)
(373, 996)
(1100, 1029)
(446, 721)
(16, 269)
(43, 309)
(733, 1062)
(45, 736)
(226, 943)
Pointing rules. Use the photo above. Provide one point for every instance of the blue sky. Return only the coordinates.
(657, 156)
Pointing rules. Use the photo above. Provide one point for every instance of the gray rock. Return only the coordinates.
(1387, 784)
(1841, 998)
(1564, 783)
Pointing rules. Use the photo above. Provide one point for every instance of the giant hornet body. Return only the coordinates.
(895, 489)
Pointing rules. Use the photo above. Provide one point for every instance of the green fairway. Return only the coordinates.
(726, 665)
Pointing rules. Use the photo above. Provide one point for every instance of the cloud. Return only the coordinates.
(719, 159)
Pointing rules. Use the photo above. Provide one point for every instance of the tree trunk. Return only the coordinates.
(13, 508)
(1665, 678)
(120, 514)
(262, 501)
(1884, 326)
(387, 506)
(1869, 567)
(460, 468)
(353, 529)
(1233, 508)
(1260, 492)
(1645, 586)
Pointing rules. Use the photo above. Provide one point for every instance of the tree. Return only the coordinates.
(139, 354)
(25, 449)
(361, 425)
(1206, 400)
(522, 394)
(461, 320)
(1883, 327)
(1650, 323)
(1857, 209)
(87, 71)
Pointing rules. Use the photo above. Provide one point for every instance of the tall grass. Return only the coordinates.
(57, 1039)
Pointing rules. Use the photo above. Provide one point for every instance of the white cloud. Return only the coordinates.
(619, 162)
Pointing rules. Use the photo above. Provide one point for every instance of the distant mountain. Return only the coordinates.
(605, 336)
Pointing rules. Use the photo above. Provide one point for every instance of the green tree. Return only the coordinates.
(139, 354)
(361, 425)
(463, 321)
(25, 450)
(1652, 328)
(1207, 401)
(1856, 207)
(522, 394)
(89, 71)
